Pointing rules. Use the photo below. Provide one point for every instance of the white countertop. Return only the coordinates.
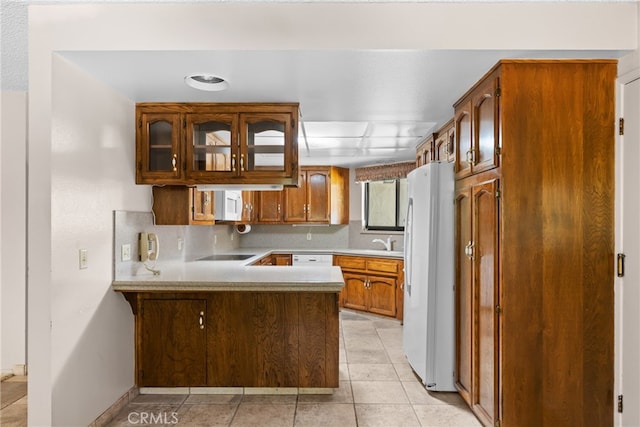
(204, 276)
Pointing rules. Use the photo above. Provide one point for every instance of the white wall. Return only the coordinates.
(81, 161)
(13, 184)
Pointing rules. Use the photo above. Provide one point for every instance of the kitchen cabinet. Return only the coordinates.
(274, 259)
(181, 205)
(477, 145)
(371, 284)
(172, 346)
(534, 204)
(270, 208)
(425, 151)
(322, 196)
(236, 339)
(444, 145)
(216, 143)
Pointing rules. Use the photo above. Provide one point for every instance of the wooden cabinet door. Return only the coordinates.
(270, 206)
(486, 306)
(444, 145)
(318, 196)
(159, 151)
(202, 207)
(463, 144)
(281, 259)
(463, 294)
(485, 127)
(172, 348)
(211, 145)
(381, 295)
(355, 291)
(295, 200)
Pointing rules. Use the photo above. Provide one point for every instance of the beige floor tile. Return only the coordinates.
(386, 415)
(18, 379)
(391, 338)
(405, 373)
(445, 416)
(378, 392)
(152, 414)
(14, 416)
(275, 399)
(343, 372)
(342, 395)
(162, 399)
(372, 372)
(206, 415)
(213, 399)
(396, 355)
(366, 355)
(325, 415)
(264, 415)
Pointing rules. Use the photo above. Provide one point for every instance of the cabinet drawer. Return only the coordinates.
(383, 265)
(355, 263)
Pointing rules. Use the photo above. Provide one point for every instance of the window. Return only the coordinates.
(385, 205)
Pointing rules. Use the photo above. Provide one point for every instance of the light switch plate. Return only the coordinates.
(125, 252)
(82, 261)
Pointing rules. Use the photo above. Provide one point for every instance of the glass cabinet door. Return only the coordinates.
(263, 143)
(212, 144)
(160, 157)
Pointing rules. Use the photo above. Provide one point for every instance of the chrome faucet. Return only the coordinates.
(388, 245)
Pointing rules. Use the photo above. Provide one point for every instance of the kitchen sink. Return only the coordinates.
(226, 257)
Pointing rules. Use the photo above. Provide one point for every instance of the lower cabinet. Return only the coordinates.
(236, 339)
(372, 284)
(172, 342)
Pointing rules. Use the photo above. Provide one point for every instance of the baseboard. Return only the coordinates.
(112, 411)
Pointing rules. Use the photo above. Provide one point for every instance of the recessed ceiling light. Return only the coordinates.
(204, 81)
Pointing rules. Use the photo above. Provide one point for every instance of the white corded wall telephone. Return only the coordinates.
(149, 246)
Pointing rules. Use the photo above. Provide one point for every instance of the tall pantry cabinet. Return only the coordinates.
(535, 243)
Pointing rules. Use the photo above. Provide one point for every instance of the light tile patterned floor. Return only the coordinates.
(377, 388)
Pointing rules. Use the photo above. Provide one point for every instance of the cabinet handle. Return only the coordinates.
(201, 320)
(174, 162)
(242, 162)
(449, 146)
(471, 157)
(278, 207)
(468, 250)
(206, 198)
(233, 163)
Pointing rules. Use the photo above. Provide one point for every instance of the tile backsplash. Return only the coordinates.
(177, 242)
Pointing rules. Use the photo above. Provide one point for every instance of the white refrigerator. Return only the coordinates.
(428, 327)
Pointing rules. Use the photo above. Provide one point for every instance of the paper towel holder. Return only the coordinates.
(243, 228)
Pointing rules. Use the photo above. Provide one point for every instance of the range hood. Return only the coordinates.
(240, 187)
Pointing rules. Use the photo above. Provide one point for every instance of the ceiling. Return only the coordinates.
(358, 107)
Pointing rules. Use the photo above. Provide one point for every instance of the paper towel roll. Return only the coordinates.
(243, 228)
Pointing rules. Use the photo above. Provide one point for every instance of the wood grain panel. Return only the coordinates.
(275, 338)
(173, 346)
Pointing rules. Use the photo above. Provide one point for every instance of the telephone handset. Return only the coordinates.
(149, 246)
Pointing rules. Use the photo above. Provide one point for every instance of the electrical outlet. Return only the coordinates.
(215, 239)
(82, 261)
(125, 252)
(180, 243)
(309, 236)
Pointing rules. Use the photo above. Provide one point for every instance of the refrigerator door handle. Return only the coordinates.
(408, 246)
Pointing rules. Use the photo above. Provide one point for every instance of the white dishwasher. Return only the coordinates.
(312, 260)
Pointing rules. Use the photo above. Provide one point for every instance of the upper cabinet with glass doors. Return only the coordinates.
(207, 143)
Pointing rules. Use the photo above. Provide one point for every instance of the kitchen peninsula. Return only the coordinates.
(230, 324)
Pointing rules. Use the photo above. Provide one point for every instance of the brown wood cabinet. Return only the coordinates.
(270, 206)
(534, 243)
(236, 339)
(372, 284)
(180, 205)
(208, 143)
(444, 145)
(425, 151)
(322, 196)
(476, 127)
(274, 259)
(172, 342)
